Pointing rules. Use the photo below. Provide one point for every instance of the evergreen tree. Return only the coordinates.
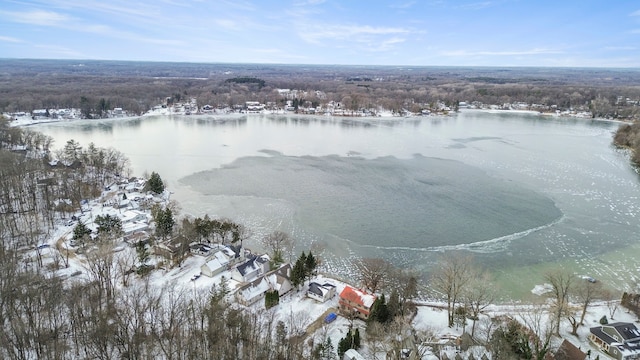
(143, 257)
(271, 299)
(394, 304)
(345, 344)
(81, 232)
(310, 264)
(164, 222)
(154, 184)
(109, 224)
(298, 271)
(379, 311)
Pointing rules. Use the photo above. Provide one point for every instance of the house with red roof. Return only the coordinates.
(355, 302)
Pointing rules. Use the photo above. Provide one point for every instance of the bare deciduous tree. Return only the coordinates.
(373, 273)
(450, 276)
(561, 282)
(277, 243)
(478, 296)
(584, 293)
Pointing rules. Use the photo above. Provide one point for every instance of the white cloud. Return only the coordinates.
(619, 48)
(388, 44)
(403, 5)
(10, 39)
(475, 6)
(315, 34)
(308, 2)
(635, 13)
(227, 24)
(465, 53)
(37, 17)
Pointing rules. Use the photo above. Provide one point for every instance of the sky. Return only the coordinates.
(553, 33)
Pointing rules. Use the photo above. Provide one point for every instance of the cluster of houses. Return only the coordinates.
(61, 114)
(125, 201)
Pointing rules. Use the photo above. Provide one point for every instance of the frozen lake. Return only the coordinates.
(523, 193)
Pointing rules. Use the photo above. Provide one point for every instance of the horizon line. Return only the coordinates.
(336, 65)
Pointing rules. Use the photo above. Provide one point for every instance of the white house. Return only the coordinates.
(130, 216)
(321, 292)
(253, 292)
(352, 354)
(280, 279)
(215, 265)
(251, 269)
(134, 227)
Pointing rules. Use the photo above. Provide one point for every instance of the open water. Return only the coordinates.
(523, 193)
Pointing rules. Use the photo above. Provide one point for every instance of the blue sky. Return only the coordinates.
(568, 33)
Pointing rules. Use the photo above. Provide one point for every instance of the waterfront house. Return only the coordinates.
(354, 302)
(321, 292)
(250, 269)
(619, 340)
(280, 279)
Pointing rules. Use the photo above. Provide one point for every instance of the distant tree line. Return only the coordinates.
(137, 87)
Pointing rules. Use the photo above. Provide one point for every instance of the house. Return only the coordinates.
(253, 292)
(131, 228)
(134, 238)
(200, 249)
(216, 264)
(131, 216)
(321, 292)
(355, 302)
(172, 250)
(568, 351)
(250, 269)
(236, 253)
(352, 354)
(280, 279)
(620, 340)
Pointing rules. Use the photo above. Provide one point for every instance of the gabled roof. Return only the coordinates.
(628, 331)
(568, 351)
(247, 267)
(278, 277)
(217, 261)
(317, 289)
(631, 336)
(357, 296)
(254, 289)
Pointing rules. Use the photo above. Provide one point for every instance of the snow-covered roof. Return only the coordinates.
(254, 289)
(218, 261)
(318, 289)
(357, 296)
(353, 354)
